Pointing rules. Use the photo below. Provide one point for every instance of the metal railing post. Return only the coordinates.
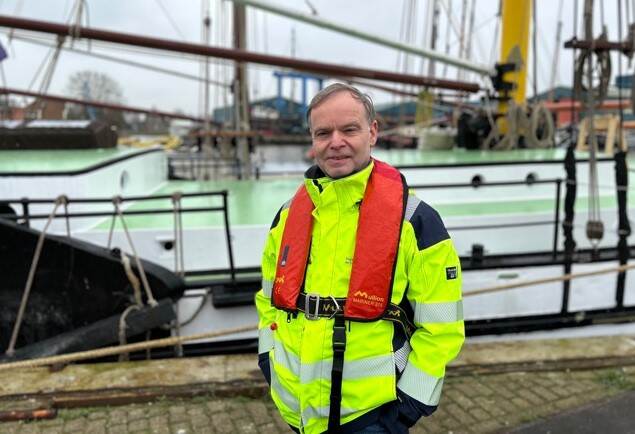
(232, 268)
(556, 220)
(25, 212)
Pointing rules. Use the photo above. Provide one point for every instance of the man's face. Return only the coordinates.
(341, 135)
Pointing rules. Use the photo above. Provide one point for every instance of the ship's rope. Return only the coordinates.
(563, 278)
(132, 278)
(67, 219)
(48, 66)
(541, 119)
(594, 229)
(123, 357)
(556, 55)
(113, 220)
(494, 133)
(169, 17)
(427, 36)
(198, 310)
(495, 44)
(146, 286)
(448, 29)
(176, 340)
(29, 281)
(114, 350)
(471, 37)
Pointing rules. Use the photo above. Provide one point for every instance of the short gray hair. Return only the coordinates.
(334, 88)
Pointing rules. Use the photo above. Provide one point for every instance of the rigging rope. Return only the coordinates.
(556, 55)
(563, 278)
(170, 19)
(29, 282)
(146, 286)
(594, 226)
(114, 350)
(426, 37)
(448, 29)
(499, 15)
(459, 72)
(132, 278)
(471, 35)
(120, 60)
(123, 357)
(540, 121)
(175, 340)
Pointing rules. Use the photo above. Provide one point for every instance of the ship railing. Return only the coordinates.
(555, 221)
(27, 216)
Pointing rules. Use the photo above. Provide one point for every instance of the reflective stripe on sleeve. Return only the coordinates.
(438, 312)
(283, 394)
(265, 340)
(401, 356)
(267, 286)
(411, 206)
(420, 385)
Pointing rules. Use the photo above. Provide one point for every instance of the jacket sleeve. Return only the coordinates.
(434, 292)
(266, 311)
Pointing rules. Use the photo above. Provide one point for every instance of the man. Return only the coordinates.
(360, 308)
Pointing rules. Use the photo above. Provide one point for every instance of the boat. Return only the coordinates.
(483, 207)
(509, 213)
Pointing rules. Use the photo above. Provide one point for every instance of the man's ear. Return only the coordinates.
(374, 129)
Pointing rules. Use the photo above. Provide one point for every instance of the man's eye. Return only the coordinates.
(320, 134)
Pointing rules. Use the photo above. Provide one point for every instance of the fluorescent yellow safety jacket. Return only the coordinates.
(379, 362)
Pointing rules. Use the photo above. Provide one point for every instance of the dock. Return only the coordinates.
(524, 386)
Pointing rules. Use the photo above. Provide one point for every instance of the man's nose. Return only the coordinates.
(337, 139)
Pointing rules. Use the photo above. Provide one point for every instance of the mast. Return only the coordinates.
(434, 36)
(514, 47)
(205, 39)
(241, 93)
(556, 56)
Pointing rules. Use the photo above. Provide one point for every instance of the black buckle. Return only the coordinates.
(339, 335)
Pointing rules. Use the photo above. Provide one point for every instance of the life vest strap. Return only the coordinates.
(337, 373)
(313, 306)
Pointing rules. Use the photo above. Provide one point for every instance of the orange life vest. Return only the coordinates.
(377, 241)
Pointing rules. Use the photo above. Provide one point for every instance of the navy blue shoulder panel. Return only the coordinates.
(276, 219)
(428, 226)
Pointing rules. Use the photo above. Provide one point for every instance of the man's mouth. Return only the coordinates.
(338, 157)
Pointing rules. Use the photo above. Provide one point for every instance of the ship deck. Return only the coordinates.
(61, 161)
(252, 202)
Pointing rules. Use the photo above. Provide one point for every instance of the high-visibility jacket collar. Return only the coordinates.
(377, 241)
(351, 187)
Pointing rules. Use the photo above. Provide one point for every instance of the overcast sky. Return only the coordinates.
(267, 33)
